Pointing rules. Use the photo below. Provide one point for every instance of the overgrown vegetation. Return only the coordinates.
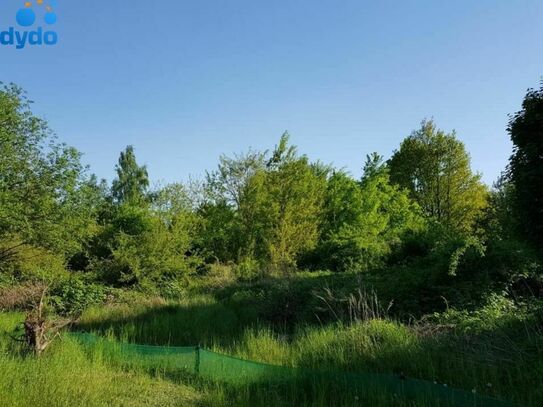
(427, 271)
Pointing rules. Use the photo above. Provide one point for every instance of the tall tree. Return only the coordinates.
(230, 216)
(363, 221)
(435, 167)
(526, 164)
(264, 207)
(501, 220)
(46, 199)
(132, 180)
(292, 192)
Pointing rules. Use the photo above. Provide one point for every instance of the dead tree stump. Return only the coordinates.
(40, 331)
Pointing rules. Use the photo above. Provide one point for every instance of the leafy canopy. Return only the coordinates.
(46, 198)
(435, 167)
(526, 165)
(132, 180)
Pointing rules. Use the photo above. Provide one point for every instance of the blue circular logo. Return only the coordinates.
(50, 18)
(26, 17)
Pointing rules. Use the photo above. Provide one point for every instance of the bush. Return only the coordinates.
(73, 296)
(28, 263)
(172, 289)
(247, 269)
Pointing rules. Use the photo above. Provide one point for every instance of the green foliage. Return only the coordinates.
(247, 269)
(496, 312)
(500, 220)
(508, 260)
(217, 235)
(147, 246)
(132, 180)
(261, 209)
(27, 263)
(145, 239)
(230, 214)
(526, 165)
(342, 203)
(155, 254)
(435, 167)
(469, 243)
(292, 190)
(46, 200)
(365, 221)
(72, 296)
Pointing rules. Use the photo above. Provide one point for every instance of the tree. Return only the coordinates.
(157, 254)
(46, 198)
(500, 220)
(526, 165)
(264, 207)
(291, 195)
(229, 215)
(435, 168)
(363, 221)
(342, 203)
(148, 244)
(216, 237)
(146, 237)
(132, 180)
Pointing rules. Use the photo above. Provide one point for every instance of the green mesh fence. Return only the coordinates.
(227, 369)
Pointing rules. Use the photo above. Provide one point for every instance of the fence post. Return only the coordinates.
(198, 359)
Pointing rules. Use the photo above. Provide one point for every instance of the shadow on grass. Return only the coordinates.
(281, 304)
(222, 316)
(244, 383)
(204, 322)
(504, 355)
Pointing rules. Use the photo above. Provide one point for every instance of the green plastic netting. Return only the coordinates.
(218, 367)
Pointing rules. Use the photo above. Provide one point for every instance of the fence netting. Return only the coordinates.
(227, 369)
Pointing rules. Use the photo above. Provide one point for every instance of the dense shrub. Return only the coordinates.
(72, 296)
(248, 269)
(31, 263)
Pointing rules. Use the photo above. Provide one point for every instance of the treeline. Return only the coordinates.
(267, 213)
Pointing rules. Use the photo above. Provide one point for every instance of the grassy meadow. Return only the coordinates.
(492, 351)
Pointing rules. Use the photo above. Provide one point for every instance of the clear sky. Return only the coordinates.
(184, 81)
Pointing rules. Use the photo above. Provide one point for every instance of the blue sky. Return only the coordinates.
(184, 81)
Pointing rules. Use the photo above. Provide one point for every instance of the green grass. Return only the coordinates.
(67, 376)
(71, 374)
(496, 351)
(502, 358)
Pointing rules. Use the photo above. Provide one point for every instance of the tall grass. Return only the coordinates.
(468, 360)
(68, 376)
(496, 351)
(71, 374)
